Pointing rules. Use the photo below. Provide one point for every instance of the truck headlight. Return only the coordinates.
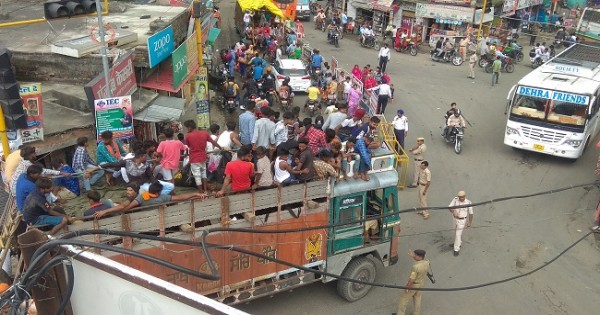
(511, 131)
(574, 143)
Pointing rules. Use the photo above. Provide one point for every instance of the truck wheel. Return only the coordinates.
(510, 68)
(359, 268)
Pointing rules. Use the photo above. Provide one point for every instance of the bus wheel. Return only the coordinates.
(359, 268)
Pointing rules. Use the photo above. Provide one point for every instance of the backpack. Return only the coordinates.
(230, 91)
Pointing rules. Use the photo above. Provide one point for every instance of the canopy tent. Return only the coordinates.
(254, 5)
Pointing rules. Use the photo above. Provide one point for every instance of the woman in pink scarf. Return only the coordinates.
(353, 99)
(356, 72)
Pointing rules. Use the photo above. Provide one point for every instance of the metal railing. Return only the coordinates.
(385, 132)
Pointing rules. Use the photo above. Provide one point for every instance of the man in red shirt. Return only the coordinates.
(196, 141)
(238, 173)
(170, 152)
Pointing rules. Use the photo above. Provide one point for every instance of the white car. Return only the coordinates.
(294, 69)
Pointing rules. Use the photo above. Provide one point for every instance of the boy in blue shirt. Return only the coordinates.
(65, 187)
(26, 184)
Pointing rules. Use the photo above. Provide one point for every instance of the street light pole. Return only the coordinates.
(103, 49)
(480, 20)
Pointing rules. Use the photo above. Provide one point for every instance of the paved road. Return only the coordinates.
(507, 238)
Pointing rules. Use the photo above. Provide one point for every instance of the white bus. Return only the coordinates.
(554, 108)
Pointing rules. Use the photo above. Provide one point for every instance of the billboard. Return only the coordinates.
(160, 46)
(31, 94)
(121, 77)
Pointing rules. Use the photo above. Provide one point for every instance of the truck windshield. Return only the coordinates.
(302, 2)
(551, 111)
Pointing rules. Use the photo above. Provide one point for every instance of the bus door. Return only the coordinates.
(348, 209)
(593, 121)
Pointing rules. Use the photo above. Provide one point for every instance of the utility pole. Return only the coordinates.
(103, 49)
(481, 19)
(198, 28)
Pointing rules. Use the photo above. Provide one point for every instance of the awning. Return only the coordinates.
(255, 5)
(162, 79)
(361, 5)
(384, 5)
(163, 108)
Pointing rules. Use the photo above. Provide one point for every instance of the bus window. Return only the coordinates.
(568, 113)
(529, 107)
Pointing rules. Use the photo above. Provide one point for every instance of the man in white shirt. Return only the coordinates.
(367, 33)
(385, 92)
(463, 217)
(247, 18)
(400, 123)
(278, 53)
(384, 57)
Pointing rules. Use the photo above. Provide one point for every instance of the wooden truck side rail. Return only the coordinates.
(213, 212)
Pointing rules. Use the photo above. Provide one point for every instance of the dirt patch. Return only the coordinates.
(523, 260)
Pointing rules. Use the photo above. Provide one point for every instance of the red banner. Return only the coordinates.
(122, 81)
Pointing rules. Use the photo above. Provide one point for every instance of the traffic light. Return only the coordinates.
(68, 8)
(10, 99)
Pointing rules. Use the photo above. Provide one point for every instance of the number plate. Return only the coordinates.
(538, 147)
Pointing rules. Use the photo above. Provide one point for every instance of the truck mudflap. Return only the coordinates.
(394, 242)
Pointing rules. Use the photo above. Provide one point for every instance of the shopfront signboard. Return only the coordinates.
(444, 12)
(160, 46)
(114, 114)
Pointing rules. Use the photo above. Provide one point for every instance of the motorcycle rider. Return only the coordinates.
(332, 29)
(448, 46)
(230, 90)
(285, 91)
(455, 120)
(313, 95)
(438, 47)
(545, 55)
(251, 88)
(449, 113)
(367, 35)
(269, 81)
(315, 60)
(320, 18)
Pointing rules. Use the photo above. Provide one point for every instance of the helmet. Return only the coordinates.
(314, 83)
(457, 112)
(268, 69)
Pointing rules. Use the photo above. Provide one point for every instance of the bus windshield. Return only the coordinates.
(589, 25)
(555, 112)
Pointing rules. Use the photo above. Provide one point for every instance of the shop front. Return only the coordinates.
(439, 20)
(378, 13)
(407, 18)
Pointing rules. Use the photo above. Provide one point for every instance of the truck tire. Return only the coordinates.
(360, 268)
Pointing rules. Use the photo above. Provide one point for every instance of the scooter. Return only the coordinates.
(536, 60)
(450, 56)
(410, 46)
(370, 42)
(456, 137)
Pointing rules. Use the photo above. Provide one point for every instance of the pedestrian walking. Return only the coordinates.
(400, 123)
(496, 67)
(472, 61)
(463, 217)
(415, 280)
(424, 183)
(384, 57)
(419, 156)
(384, 95)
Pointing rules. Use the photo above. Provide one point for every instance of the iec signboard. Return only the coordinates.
(180, 64)
(116, 115)
(160, 46)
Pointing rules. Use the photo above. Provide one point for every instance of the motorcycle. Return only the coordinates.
(450, 56)
(370, 42)
(484, 60)
(311, 107)
(410, 46)
(456, 137)
(507, 65)
(230, 104)
(320, 24)
(271, 97)
(536, 60)
(514, 53)
(315, 72)
(285, 103)
(335, 40)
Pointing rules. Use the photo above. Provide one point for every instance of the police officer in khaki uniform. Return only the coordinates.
(415, 280)
(462, 217)
(419, 156)
(424, 181)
